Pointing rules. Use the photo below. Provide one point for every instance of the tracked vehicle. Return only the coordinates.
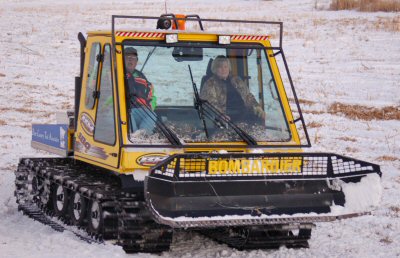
(237, 178)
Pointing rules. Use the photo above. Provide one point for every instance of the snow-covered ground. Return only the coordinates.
(345, 57)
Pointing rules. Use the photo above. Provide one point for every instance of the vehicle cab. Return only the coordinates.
(178, 65)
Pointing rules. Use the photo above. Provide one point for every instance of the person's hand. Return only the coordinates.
(258, 111)
(226, 117)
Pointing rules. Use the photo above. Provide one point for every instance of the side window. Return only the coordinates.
(273, 106)
(254, 63)
(105, 120)
(263, 87)
(92, 75)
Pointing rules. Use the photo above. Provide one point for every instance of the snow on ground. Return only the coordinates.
(346, 57)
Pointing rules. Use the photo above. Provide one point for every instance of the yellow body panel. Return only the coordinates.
(94, 152)
(130, 159)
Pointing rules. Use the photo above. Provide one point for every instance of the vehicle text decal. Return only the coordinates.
(87, 124)
(83, 146)
(151, 159)
(245, 166)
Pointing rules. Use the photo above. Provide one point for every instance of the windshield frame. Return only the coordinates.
(214, 44)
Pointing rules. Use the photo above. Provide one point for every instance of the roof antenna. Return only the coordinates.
(165, 6)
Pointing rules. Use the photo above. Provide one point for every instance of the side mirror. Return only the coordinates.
(181, 54)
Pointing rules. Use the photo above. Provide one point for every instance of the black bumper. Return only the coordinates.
(182, 188)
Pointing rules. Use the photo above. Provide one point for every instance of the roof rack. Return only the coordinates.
(195, 18)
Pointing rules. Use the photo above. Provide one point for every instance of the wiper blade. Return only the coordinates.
(169, 134)
(148, 57)
(220, 118)
(206, 109)
(198, 103)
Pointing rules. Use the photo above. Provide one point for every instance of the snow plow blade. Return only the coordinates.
(212, 190)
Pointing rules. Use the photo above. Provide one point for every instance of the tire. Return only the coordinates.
(60, 200)
(95, 217)
(77, 209)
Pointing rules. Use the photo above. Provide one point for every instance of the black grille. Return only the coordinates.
(265, 165)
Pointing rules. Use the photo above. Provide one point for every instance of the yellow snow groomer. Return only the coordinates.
(178, 128)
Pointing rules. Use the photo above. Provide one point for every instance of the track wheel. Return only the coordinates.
(60, 200)
(35, 186)
(77, 209)
(95, 217)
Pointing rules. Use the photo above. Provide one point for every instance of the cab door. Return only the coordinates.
(97, 140)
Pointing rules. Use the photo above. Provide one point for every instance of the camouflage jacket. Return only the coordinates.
(215, 91)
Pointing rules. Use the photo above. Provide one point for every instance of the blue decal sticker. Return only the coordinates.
(52, 135)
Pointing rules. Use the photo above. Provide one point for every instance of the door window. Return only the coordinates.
(105, 120)
(92, 75)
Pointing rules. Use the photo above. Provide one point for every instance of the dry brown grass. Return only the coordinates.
(303, 101)
(386, 240)
(66, 105)
(314, 125)
(389, 24)
(26, 84)
(61, 94)
(350, 149)
(365, 113)
(316, 137)
(8, 167)
(381, 23)
(25, 110)
(344, 4)
(314, 112)
(320, 22)
(395, 209)
(29, 126)
(387, 158)
(10, 136)
(2, 75)
(366, 5)
(347, 139)
(306, 102)
(2, 122)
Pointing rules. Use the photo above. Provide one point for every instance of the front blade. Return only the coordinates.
(208, 190)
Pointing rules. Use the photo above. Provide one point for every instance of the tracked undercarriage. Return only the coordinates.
(93, 206)
(90, 200)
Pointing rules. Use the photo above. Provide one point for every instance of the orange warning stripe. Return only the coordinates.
(162, 35)
(140, 34)
(245, 37)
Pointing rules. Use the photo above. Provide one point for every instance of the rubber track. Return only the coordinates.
(37, 214)
(125, 218)
(259, 237)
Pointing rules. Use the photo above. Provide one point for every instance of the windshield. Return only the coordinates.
(201, 93)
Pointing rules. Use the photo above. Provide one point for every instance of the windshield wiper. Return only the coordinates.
(221, 119)
(198, 102)
(206, 109)
(148, 57)
(169, 134)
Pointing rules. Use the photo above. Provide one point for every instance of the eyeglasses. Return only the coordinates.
(133, 58)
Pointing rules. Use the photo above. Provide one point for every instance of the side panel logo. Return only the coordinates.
(151, 159)
(83, 146)
(87, 124)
